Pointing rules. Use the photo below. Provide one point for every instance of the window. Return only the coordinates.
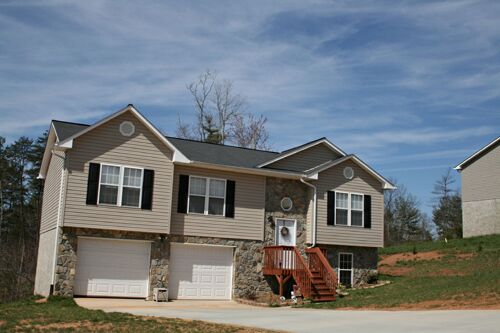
(345, 269)
(349, 209)
(207, 196)
(120, 186)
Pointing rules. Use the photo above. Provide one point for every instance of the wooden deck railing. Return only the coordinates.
(287, 261)
(319, 263)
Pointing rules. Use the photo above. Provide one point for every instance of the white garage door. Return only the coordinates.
(115, 268)
(200, 272)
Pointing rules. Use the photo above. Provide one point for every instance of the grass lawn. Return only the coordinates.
(63, 315)
(463, 273)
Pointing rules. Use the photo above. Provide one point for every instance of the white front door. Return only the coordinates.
(113, 268)
(200, 272)
(286, 231)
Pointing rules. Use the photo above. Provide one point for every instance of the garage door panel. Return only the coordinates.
(112, 268)
(200, 272)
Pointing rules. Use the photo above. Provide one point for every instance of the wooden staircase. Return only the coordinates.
(314, 277)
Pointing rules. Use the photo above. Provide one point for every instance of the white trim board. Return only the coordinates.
(473, 156)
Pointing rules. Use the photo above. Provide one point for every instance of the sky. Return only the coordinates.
(411, 87)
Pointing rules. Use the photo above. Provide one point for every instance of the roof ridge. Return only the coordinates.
(222, 145)
(304, 144)
(69, 122)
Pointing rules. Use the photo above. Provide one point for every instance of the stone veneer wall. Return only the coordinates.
(277, 189)
(68, 255)
(364, 260)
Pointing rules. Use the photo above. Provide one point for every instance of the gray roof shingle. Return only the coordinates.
(221, 154)
(66, 129)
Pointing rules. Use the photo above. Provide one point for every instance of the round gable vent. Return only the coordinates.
(127, 128)
(348, 172)
(286, 204)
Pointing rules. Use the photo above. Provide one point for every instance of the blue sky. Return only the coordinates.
(412, 87)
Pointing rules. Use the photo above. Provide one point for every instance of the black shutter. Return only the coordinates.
(230, 189)
(93, 183)
(330, 214)
(368, 211)
(182, 196)
(147, 189)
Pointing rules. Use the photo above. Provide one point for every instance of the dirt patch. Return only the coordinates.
(447, 272)
(482, 302)
(2, 322)
(393, 259)
(465, 255)
(395, 271)
(69, 325)
(41, 300)
(391, 264)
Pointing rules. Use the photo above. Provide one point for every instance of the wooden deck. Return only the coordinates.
(313, 275)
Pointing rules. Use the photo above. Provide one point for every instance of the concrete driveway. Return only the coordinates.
(308, 320)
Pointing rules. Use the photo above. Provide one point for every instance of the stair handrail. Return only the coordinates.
(326, 271)
(304, 276)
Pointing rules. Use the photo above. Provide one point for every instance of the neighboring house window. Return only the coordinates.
(120, 185)
(345, 269)
(349, 209)
(206, 196)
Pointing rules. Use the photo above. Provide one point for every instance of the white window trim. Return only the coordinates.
(349, 209)
(343, 269)
(120, 185)
(207, 196)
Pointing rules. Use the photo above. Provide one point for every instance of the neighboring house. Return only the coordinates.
(127, 209)
(481, 191)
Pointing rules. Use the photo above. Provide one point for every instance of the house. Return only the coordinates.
(126, 210)
(480, 174)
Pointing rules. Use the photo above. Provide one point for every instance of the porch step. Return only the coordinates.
(324, 298)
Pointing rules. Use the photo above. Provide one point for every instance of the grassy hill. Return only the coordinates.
(462, 273)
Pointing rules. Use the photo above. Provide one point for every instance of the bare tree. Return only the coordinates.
(447, 210)
(201, 90)
(228, 105)
(185, 130)
(250, 132)
(220, 116)
(443, 187)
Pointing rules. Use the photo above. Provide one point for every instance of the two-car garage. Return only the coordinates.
(120, 268)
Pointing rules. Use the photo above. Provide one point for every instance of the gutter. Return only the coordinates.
(315, 202)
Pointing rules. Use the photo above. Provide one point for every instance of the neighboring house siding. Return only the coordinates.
(248, 221)
(364, 183)
(105, 144)
(51, 192)
(481, 195)
(481, 179)
(306, 159)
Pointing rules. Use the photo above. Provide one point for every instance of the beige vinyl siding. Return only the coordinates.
(481, 179)
(306, 159)
(51, 193)
(45, 262)
(333, 180)
(105, 144)
(248, 221)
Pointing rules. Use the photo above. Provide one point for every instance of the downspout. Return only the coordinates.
(59, 213)
(313, 222)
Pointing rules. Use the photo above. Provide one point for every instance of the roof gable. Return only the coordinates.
(478, 154)
(292, 151)
(313, 173)
(178, 156)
